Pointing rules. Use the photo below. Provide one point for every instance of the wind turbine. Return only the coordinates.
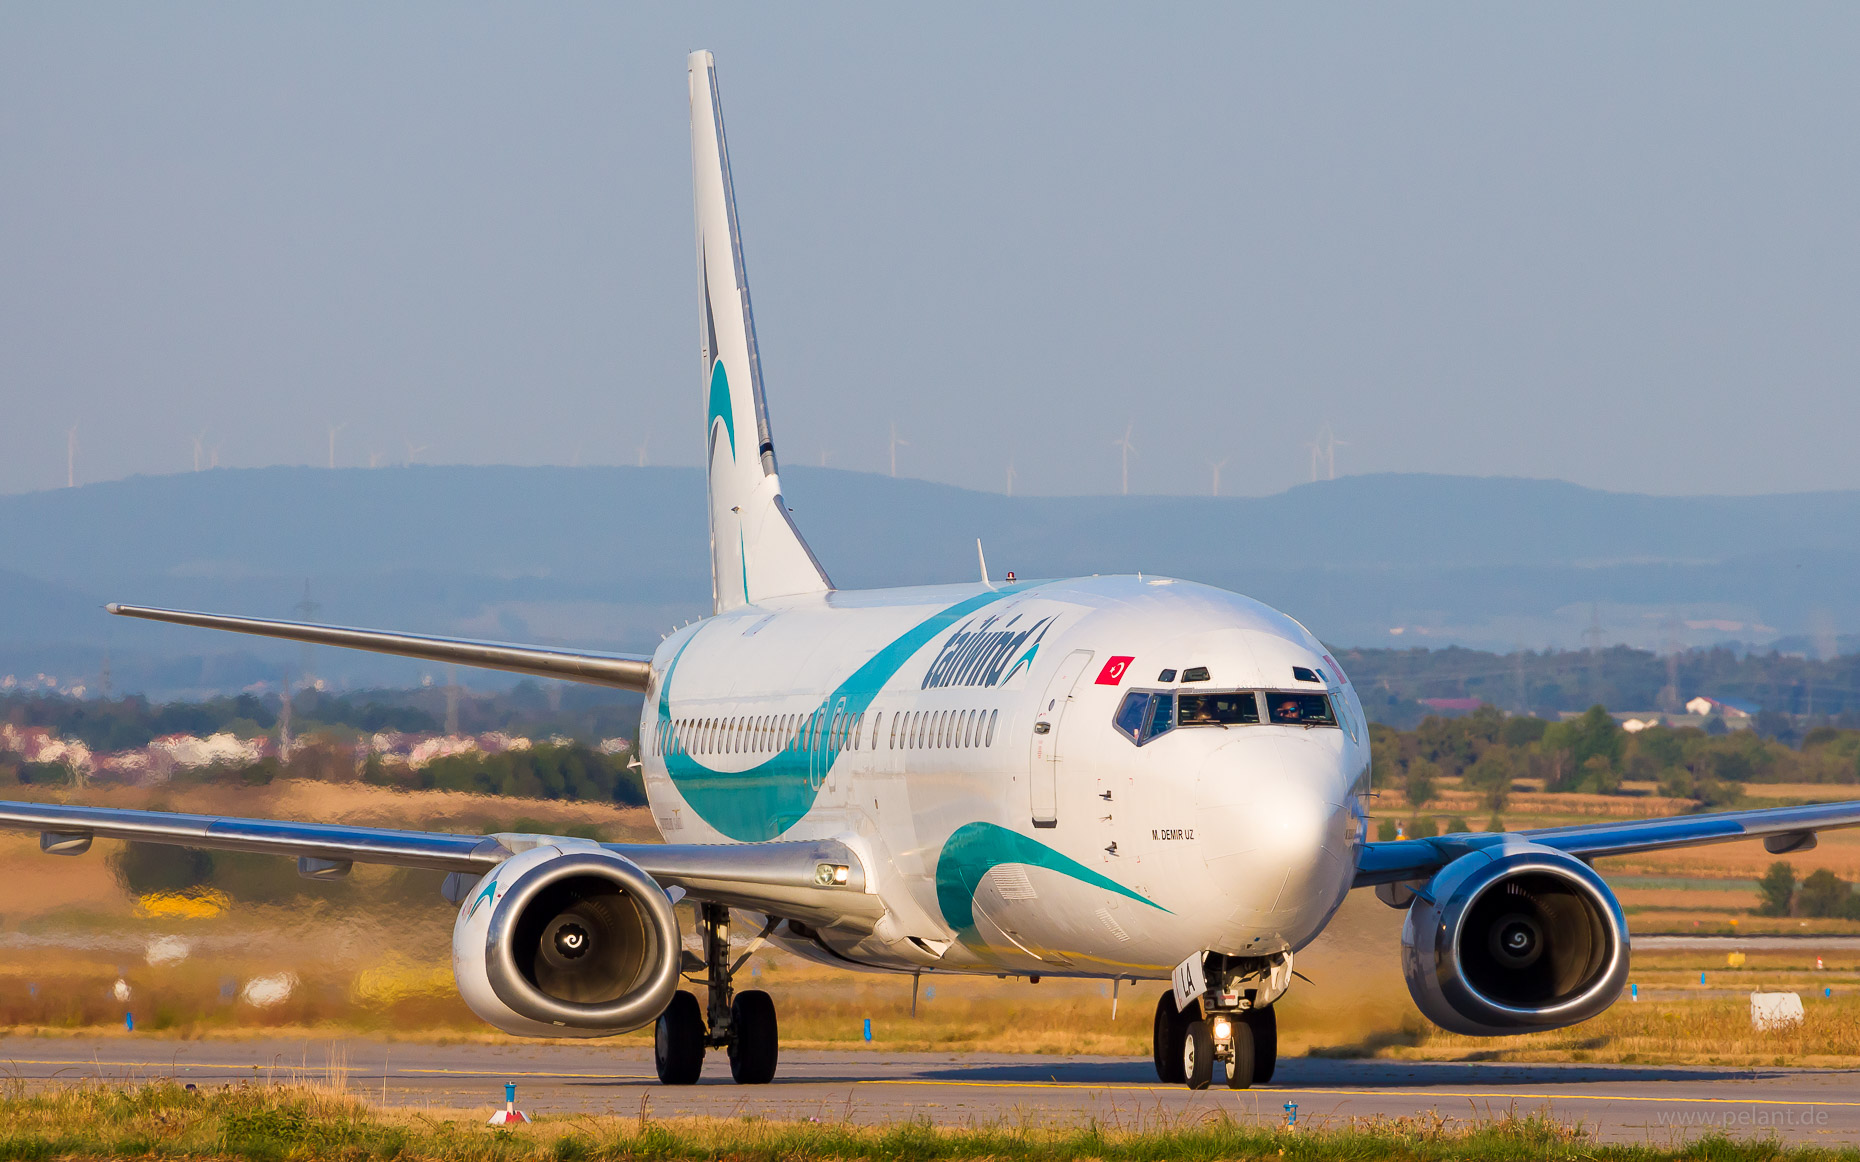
(200, 447)
(414, 449)
(1129, 449)
(333, 429)
(896, 441)
(1328, 439)
(1011, 474)
(642, 453)
(71, 457)
(1216, 465)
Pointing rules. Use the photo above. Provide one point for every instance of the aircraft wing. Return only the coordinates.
(781, 878)
(627, 671)
(1782, 829)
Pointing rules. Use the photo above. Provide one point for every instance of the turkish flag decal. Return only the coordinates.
(1113, 671)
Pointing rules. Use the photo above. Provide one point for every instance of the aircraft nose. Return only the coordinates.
(1277, 832)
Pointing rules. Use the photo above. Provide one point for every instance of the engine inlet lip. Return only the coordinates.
(1608, 979)
(634, 1008)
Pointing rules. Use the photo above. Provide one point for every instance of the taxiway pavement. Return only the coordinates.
(1618, 1102)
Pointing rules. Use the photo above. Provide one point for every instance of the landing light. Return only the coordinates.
(832, 874)
(1223, 1030)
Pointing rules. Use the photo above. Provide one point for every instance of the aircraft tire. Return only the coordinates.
(678, 1041)
(1198, 1055)
(1264, 1024)
(754, 1042)
(1240, 1066)
(1171, 1025)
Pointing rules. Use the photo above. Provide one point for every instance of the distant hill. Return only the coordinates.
(612, 557)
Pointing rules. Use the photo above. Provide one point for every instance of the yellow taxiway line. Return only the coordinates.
(1488, 1095)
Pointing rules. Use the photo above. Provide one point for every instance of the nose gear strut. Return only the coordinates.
(1221, 1009)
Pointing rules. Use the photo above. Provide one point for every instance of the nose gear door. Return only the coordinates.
(1043, 778)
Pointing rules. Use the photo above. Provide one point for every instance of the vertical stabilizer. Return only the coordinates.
(755, 550)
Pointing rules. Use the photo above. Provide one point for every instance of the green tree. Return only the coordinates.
(1554, 758)
(1599, 776)
(1421, 784)
(1824, 894)
(1596, 733)
(1492, 775)
(1777, 887)
(1446, 742)
(1522, 730)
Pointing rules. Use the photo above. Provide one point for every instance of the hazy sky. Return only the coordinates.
(1611, 244)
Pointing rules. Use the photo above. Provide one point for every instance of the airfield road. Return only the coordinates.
(1620, 1103)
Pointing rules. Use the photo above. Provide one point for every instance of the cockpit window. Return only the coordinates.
(1299, 709)
(1147, 714)
(1132, 713)
(1162, 716)
(1144, 714)
(1230, 708)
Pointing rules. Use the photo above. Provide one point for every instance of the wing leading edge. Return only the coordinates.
(626, 671)
(778, 878)
(1783, 829)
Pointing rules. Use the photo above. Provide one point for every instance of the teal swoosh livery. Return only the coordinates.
(1026, 660)
(762, 802)
(974, 848)
(489, 893)
(720, 407)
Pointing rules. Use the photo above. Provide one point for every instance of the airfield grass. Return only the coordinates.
(244, 1121)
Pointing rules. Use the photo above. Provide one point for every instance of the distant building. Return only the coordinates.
(1705, 706)
(1453, 705)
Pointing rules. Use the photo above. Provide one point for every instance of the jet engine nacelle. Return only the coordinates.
(566, 941)
(1514, 938)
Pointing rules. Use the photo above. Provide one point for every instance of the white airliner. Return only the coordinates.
(1128, 778)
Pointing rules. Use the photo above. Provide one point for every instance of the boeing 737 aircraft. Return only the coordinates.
(1128, 778)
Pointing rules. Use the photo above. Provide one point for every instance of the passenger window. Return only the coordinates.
(1299, 709)
(1234, 708)
(992, 715)
(1131, 715)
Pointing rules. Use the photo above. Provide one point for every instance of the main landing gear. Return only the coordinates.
(741, 1023)
(1226, 1023)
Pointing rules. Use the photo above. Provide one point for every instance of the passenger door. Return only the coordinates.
(1043, 778)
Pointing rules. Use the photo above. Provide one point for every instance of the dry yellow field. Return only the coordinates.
(370, 955)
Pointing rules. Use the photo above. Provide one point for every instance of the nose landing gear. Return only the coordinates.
(1229, 1023)
(742, 1023)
